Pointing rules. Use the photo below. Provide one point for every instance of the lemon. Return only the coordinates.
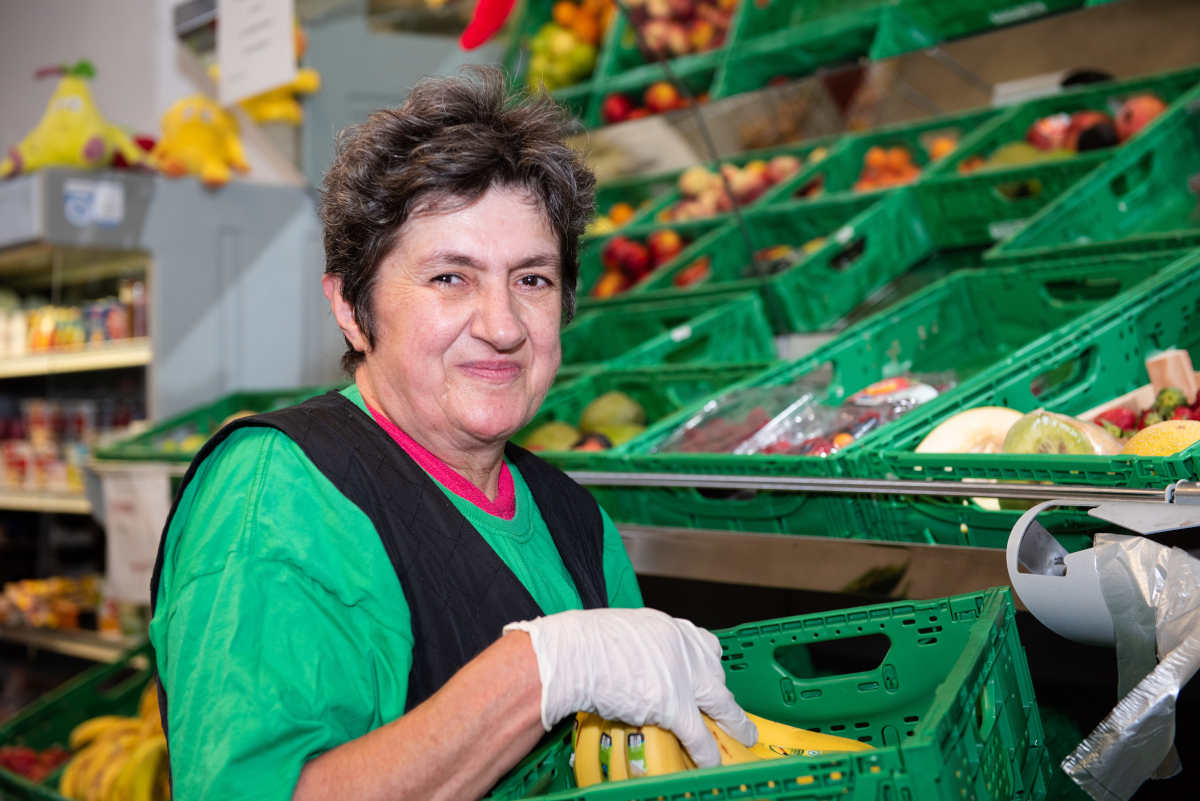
(1163, 439)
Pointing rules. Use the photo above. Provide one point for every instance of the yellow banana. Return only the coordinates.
(732, 752)
(162, 786)
(139, 771)
(108, 755)
(148, 703)
(662, 752)
(68, 782)
(587, 750)
(779, 739)
(86, 764)
(102, 726)
(618, 752)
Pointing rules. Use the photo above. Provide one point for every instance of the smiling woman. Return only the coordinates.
(374, 595)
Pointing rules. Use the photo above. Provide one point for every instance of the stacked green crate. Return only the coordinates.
(658, 391)
(1077, 367)
(947, 704)
(967, 323)
(910, 25)
(680, 331)
(1146, 198)
(591, 254)
(642, 192)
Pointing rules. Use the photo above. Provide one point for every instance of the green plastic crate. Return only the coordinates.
(1092, 360)
(660, 390)
(763, 54)
(1107, 97)
(766, 18)
(968, 322)
(112, 689)
(1140, 200)
(696, 74)
(941, 688)
(640, 191)
(838, 173)
(167, 441)
(670, 332)
(622, 55)
(911, 25)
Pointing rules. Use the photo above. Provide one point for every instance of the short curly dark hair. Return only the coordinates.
(451, 140)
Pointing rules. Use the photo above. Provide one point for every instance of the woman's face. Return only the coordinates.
(467, 311)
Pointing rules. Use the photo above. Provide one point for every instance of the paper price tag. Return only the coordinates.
(87, 202)
(680, 333)
(136, 504)
(256, 50)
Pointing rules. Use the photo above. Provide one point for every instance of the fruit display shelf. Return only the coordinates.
(1076, 367)
(969, 322)
(1145, 198)
(653, 392)
(945, 699)
(1051, 130)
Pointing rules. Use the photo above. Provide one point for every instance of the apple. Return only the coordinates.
(709, 201)
(610, 257)
(695, 180)
(658, 9)
(665, 244)
(633, 259)
(661, 96)
(678, 41)
(1135, 113)
(616, 108)
(656, 34)
(1048, 133)
(781, 167)
(1082, 121)
(702, 35)
(639, 113)
(609, 285)
(682, 10)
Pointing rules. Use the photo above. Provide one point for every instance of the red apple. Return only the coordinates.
(781, 167)
(665, 244)
(682, 10)
(634, 260)
(1080, 122)
(1135, 113)
(661, 96)
(617, 108)
(610, 257)
(1048, 133)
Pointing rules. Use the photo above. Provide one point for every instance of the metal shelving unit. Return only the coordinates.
(81, 644)
(19, 500)
(135, 352)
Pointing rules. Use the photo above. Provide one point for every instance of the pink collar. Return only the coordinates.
(505, 505)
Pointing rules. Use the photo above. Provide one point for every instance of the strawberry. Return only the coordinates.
(1120, 417)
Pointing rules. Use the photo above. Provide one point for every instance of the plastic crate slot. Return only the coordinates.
(1137, 174)
(927, 640)
(911, 718)
(808, 695)
(848, 255)
(929, 630)
(846, 656)
(1085, 289)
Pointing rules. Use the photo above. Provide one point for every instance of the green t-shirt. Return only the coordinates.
(281, 630)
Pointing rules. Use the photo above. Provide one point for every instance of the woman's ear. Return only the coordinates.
(343, 312)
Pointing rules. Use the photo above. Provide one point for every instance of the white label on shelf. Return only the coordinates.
(1007, 16)
(1002, 229)
(87, 202)
(136, 504)
(843, 235)
(256, 48)
(681, 332)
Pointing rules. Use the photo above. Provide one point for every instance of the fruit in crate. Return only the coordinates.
(1090, 130)
(979, 430)
(627, 261)
(707, 193)
(617, 215)
(610, 419)
(1136, 113)
(608, 751)
(672, 28)
(616, 108)
(695, 273)
(1043, 432)
(884, 167)
(563, 52)
(552, 436)
(1164, 439)
(30, 763)
(611, 408)
(118, 756)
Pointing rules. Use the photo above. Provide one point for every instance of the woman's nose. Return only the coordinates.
(497, 321)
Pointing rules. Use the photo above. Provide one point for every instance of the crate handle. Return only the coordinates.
(987, 711)
(1013, 192)
(842, 654)
(1133, 177)
(1082, 290)
(847, 255)
(1078, 367)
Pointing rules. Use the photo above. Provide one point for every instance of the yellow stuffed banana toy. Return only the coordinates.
(605, 751)
(72, 132)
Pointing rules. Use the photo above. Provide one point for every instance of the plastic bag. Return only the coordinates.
(819, 430)
(727, 421)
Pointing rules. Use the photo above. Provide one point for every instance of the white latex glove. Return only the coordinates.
(638, 666)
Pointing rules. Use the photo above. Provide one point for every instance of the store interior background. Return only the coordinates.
(141, 69)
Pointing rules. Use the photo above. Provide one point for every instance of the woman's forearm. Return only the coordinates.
(455, 745)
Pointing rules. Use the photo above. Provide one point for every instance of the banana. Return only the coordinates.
(587, 750)
(99, 727)
(77, 768)
(91, 785)
(148, 703)
(779, 740)
(618, 752)
(732, 752)
(139, 771)
(663, 753)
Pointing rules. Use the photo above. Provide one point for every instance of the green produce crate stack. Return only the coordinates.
(836, 175)
(639, 191)
(680, 331)
(591, 255)
(1077, 367)
(1145, 198)
(972, 322)
(696, 74)
(623, 56)
(658, 390)
(947, 702)
(103, 690)
(178, 438)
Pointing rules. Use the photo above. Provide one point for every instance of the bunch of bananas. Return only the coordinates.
(119, 758)
(609, 751)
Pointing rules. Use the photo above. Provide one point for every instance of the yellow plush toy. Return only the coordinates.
(201, 138)
(72, 131)
(280, 104)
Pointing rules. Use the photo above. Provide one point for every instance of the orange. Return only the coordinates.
(586, 28)
(876, 158)
(621, 213)
(564, 13)
(941, 147)
(898, 159)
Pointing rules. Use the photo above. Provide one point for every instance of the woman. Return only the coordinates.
(373, 594)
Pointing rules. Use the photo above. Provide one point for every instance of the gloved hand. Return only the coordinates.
(638, 666)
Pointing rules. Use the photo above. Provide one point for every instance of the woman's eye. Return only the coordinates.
(447, 278)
